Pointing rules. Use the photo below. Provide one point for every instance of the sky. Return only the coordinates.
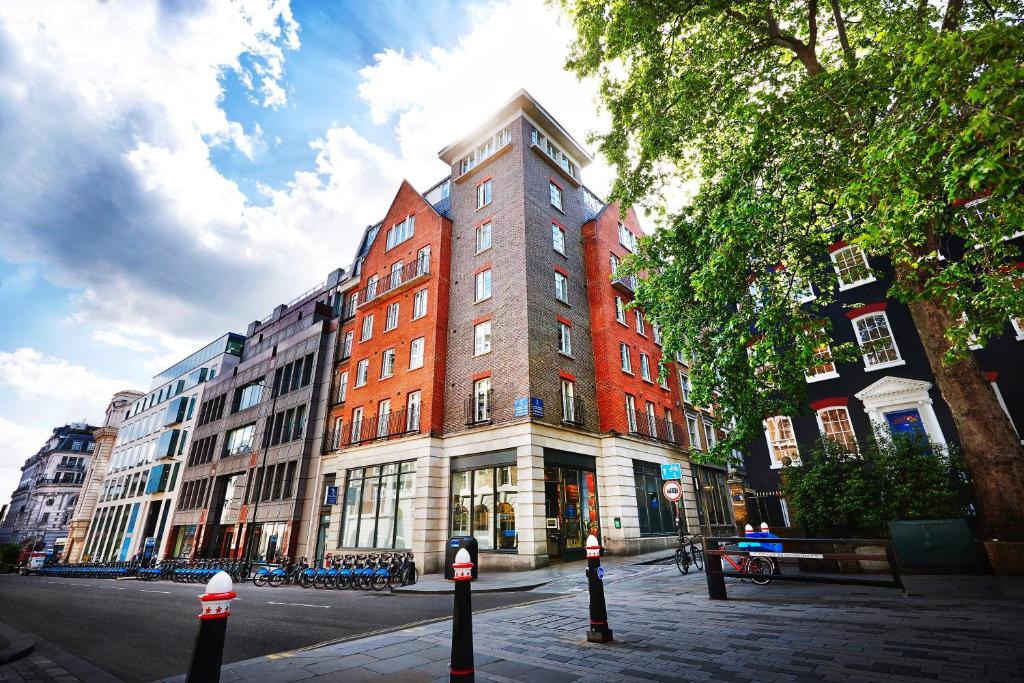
(173, 170)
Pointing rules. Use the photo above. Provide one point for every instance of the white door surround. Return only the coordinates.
(890, 394)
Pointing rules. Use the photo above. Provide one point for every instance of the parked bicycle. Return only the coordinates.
(689, 553)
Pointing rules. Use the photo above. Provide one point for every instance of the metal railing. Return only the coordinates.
(393, 280)
(574, 413)
(626, 283)
(395, 423)
(658, 429)
(482, 414)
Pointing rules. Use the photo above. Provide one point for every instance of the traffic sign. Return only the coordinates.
(673, 490)
(672, 470)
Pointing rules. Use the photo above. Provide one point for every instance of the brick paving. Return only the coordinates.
(946, 629)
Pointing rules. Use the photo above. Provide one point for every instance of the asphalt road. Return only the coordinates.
(139, 631)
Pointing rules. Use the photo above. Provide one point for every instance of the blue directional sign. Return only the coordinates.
(521, 406)
(537, 407)
(672, 470)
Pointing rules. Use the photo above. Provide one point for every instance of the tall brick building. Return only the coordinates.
(479, 386)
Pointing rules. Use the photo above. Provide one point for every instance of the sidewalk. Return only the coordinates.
(562, 577)
(947, 629)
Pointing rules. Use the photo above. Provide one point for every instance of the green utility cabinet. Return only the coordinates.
(935, 544)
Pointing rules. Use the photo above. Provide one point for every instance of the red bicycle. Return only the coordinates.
(760, 569)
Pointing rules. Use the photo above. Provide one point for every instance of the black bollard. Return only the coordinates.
(461, 668)
(213, 625)
(713, 571)
(599, 631)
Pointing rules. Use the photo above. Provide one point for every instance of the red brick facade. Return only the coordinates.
(431, 230)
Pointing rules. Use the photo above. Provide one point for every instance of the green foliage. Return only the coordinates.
(834, 492)
(807, 123)
(8, 555)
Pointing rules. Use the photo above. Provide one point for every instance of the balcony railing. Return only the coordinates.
(480, 411)
(574, 412)
(393, 281)
(655, 428)
(395, 423)
(626, 283)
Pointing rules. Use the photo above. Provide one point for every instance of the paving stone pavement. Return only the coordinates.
(947, 629)
(47, 662)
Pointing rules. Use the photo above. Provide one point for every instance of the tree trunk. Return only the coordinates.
(992, 450)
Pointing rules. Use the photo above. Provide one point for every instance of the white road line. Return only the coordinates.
(143, 590)
(298, 604)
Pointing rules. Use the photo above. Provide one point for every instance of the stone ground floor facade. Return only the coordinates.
(528, 492)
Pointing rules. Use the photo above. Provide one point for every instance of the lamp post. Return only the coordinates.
(247, 551)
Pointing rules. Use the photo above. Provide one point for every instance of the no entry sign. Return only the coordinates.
(673, 490)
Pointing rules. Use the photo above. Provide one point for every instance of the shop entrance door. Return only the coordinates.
(571, 511)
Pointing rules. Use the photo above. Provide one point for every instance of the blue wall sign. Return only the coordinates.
(331, 498)
(672, 470)
(521, 407)
(537, 407)
(600, 572)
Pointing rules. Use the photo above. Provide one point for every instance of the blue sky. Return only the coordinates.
(175, 169)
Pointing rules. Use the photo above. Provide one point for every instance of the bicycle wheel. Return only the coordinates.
(761, 569)
(380, 580)
(319, 581)
(275, 579)
(260, 577)
(682, 561)
(396, 579)
(305, 579)
(698, 557)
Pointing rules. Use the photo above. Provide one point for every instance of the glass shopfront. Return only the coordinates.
(483, 505)
(378, 506)
(570, 510)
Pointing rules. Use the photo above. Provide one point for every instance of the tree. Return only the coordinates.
(841, 494)
(806, 124)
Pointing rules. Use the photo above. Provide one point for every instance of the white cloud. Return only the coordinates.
(72, 390)
(19, 443)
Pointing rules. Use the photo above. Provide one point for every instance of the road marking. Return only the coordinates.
(298, 604)
(143, 590)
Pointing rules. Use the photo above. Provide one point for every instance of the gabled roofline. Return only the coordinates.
(525, 102)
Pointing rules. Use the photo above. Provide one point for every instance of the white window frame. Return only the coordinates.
(821, 424)
(391, 321)
(387, 363)
(413, 410)
(893, 394)
(366, 328)
(657, 334)
(395, 277)
(564, 339)
(827, 374)
(561, 287)
(420, 303)
(416, 352)
(631, 413)
(641, 329)
(620, 311)
(626, 238)
(645, 367)
(709, 434)
(482, 338)
(362, 372)
(342, 386)
(558, 238)
(383, 418)
(484, 194)
(555, 193)
(685, 388)
(868, 366)
(483, 237)
(357, 424)
(482, 411)
(482, 282)
(422, 261)
(625, 358)
(693, 431)
(346, 346)
(400, 232)
(568, 395)
(779, 447)
(856, 249)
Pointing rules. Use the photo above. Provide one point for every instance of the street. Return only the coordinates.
(139, 631)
